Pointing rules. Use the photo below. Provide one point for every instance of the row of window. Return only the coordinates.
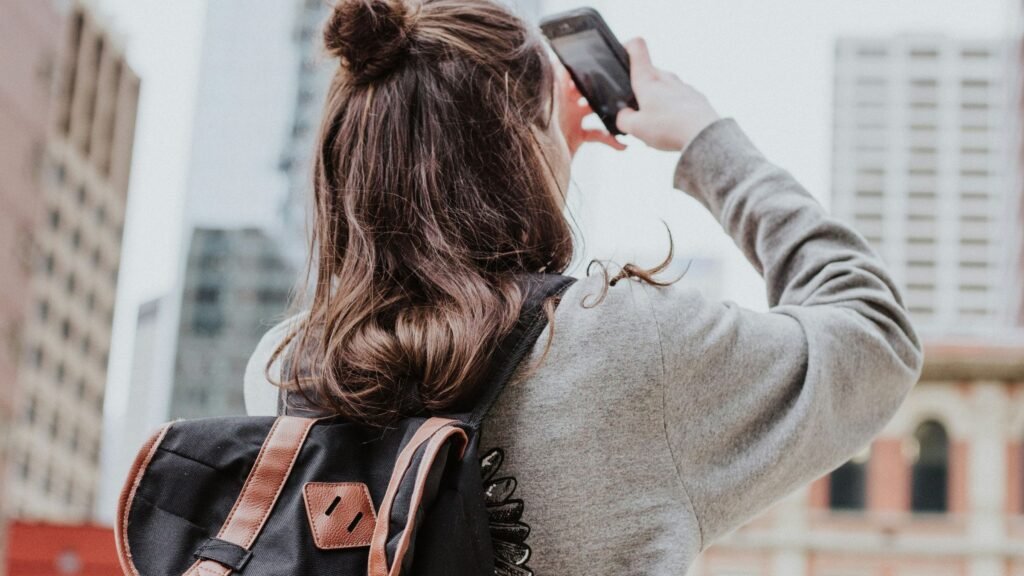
(921, 53)
(69, 493)
(38, 360)
(920, 104)
(929, 475)
(75, 240)
(72, 287)
(965, 126)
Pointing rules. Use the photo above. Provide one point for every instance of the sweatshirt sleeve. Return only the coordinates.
(757, 404)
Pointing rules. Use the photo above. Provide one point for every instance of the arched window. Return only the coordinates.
(848, 484)
(930, 472)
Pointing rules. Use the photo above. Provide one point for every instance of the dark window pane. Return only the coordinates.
(848, 487)
(930, 472)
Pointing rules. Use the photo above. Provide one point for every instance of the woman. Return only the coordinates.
(648, 421)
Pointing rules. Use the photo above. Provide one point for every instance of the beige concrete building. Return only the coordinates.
(55, 435)
(924, 165)
(939, 493)
(28, 50)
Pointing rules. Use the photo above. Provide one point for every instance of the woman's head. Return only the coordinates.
(438, 179)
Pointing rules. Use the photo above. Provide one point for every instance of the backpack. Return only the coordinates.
(307, 495)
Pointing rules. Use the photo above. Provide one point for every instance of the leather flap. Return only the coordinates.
(340, 514)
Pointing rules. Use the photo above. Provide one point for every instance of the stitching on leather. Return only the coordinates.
(158, 438)
(312, 524)
(292, 457)
(246, 486)
(386, 504)
(436, 444)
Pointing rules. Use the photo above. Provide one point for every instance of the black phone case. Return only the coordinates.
(549, 26)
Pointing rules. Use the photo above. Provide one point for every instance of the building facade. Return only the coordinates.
(924, 166)
(148, 401)
(237, 285)
(940, 492)
(314, 73)
(29, 32)
(56, 429)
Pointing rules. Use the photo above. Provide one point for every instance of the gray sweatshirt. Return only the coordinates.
(662, 420)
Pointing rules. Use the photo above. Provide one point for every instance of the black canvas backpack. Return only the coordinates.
(308, 496)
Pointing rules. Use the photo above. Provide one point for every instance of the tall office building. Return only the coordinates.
(924, 167)
(243, 107)
(237, 285)
(28, 51)
(314, 73)
(55, 436)
(148, 401)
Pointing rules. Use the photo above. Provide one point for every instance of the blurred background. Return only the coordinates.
(154, 172)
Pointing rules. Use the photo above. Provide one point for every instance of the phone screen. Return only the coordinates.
(600, 76)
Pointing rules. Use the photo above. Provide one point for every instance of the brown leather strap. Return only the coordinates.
(437, 443)
(124, 503)
(261, 489)
(378, 563)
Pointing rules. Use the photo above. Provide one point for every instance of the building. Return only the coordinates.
(314, 73)
(237, 285)
(241, 118)
(148, 402)
(939, 493)
(55, 436)
(57, 550)
(924, 166)
(28, 53)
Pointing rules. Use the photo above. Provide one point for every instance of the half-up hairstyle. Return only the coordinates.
(431, 196)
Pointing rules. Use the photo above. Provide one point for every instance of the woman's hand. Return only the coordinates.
(572, 109)
(671, 113)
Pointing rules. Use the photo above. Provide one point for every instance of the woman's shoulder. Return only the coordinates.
(590, 300)
(259, 390)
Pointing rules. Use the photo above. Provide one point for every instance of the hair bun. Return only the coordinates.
(370, 36)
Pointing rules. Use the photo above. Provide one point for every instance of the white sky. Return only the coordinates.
(767, 63)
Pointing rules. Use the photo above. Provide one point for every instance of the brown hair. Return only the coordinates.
(431, 196)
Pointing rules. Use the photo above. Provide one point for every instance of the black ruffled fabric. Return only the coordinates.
(508, 531)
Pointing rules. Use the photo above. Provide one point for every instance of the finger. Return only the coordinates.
(602, 137)
(640, 65)
(626, 120)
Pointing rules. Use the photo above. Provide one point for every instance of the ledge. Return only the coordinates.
(968, 360)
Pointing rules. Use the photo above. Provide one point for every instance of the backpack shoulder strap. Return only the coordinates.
(518, 343)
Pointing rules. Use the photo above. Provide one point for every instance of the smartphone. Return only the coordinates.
(596, 60)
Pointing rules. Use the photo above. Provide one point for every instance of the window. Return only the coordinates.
(930, 469)
(30, 410)
(207, 294)
(976, 54)
(924, 53)
(848, 484)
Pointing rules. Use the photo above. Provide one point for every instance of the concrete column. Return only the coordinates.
(888, 477)
(986, 476)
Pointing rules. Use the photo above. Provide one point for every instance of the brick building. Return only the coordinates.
(55, 434)
(939, 493)
(28, 47)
